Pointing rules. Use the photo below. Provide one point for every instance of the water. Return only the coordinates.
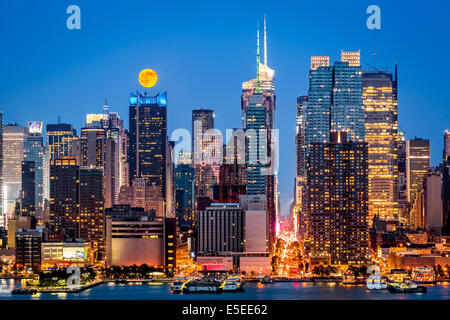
(254, 291)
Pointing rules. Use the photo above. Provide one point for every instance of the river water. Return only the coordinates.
(254, 291)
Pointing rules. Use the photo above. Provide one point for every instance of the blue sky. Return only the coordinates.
(203, 51)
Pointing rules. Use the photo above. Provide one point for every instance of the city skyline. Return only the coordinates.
(217, 82)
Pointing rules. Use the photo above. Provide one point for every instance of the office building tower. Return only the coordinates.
(184, 193)
(37, 152)
(2, 211)
(64, 197)
(337, 201)
(335, 99)
(433, 203)
(28, 250)
(141, 195)
(62, 140)
(446, 144)
(381, 131)
(401, 183)
(13, 151)
(28, 194)
(77, 202)
(116, 131)
(417, 165)
(220, 229)
(232, 172)
(258, 102)
(147, 156)
(91, 209)
(445, 196)
(206, 150)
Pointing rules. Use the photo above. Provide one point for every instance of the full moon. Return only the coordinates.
(148, 78)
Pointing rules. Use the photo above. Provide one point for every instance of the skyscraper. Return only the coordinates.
(334, 98)
(13, 143)
(258, 102)
(334, 103)
(64, 197)
(28, 194)
(417, 165)
(2, 212)
(446, 144)
(148, 139)
(77, 202)
(381, 131)
(184, 193)
(61, 140)
(36, 151)
(206, 151)
(337, 201)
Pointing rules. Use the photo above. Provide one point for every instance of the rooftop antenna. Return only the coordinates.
(258, 83)
(265, 41)
(105, 107)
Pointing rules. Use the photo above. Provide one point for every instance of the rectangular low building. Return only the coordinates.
(137, 241)
(63, 254)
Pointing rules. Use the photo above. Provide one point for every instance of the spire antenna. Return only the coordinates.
(258, 83)
(265, 41)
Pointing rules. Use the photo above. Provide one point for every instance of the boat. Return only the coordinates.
(266, 280)
(423, 275)
(348, 277)
(177, 285)
(398, 276)
(23, 291)
(406, 287)
(375, 282)
(233, 284)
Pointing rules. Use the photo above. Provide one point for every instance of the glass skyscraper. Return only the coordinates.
(380, 101)
(148, 139)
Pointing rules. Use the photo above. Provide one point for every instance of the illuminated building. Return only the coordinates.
(381, 129)
(426, 208)
(92, 209)
(98, 150)
(62, 140)
(16, 223)
(28, 250)
(401, 184)
(148, 142)
(37, 152)
(64, 196)
(446, 144)
(235, 234)
(2, 212)
(446, 188)
(139, 240)
(28, 194)
(417, 164)
(141, 195)
(232, 173)
(221, 229)
(184, 193)
(63, 254)
(337, 201)
(258, 102)
(13, 152)
(205, 145)
(77, 202)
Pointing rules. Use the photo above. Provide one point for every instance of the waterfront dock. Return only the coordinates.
(65, 289)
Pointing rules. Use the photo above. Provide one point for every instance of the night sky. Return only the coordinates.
(204, 50)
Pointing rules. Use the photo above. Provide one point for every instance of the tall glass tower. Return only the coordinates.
(380, 101)
(258, 110)
(148, 139)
